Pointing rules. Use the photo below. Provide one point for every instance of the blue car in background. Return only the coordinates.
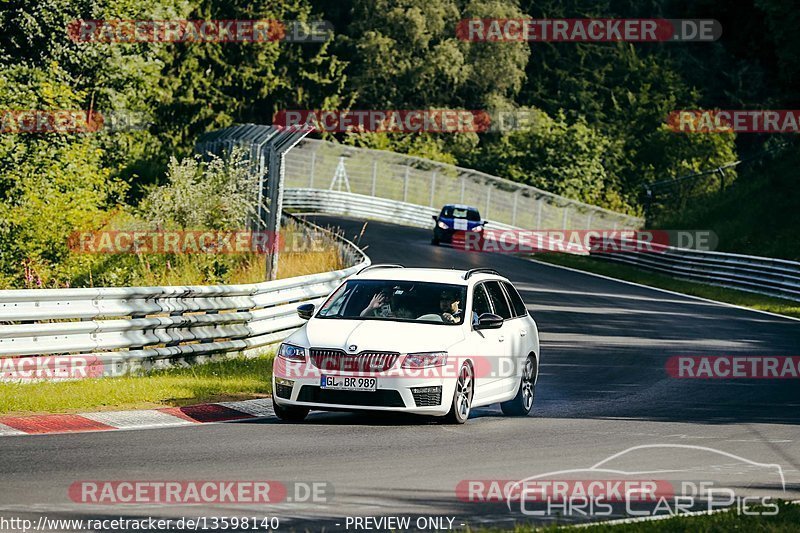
(453, 218)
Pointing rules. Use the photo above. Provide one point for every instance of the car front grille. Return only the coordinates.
(379, 398)
(338, 360)
(427, 396)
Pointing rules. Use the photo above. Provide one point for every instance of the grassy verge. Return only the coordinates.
(630, 273)
(786, 520)
(232, 379)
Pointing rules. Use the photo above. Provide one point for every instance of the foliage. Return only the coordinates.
(599, 138)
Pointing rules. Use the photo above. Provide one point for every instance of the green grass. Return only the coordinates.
(232, 379)
(630, 273)
(787, 519)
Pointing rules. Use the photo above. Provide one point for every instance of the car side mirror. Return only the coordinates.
(485, 222)
(305, 311)
(435, 218)
(489, 321)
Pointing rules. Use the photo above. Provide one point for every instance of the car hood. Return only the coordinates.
(376, 335)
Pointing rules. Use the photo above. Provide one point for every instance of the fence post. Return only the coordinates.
(488, 200)
(433, 186)
(374, 173)
(313, 164)
(514, 209)
(564, 221)
(539, 214)
(405, 185)
(463, 184)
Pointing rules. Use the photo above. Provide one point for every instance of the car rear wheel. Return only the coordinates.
(289, 413)
(462, 397)
(522, 403)
(435, 241)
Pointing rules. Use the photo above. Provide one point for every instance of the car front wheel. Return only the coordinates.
(462, 398)
(522, 403)
(289, 413)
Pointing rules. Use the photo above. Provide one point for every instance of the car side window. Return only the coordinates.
(498, 298)
(516, 300)
(480, 301)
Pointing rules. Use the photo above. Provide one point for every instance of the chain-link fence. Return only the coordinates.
(325, 165)
(265, 148)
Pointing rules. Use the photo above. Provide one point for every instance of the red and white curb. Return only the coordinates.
(141, 419)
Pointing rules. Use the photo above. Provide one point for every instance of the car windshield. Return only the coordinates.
(461, 212)
(400, 301)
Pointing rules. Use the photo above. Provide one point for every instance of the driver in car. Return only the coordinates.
(449, 304)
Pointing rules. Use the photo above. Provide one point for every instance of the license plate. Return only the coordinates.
(348, 383)
(460, 224)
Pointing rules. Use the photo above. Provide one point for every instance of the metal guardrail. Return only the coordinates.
(124, 329)
(772, 277)
(762, 275)
(315, 164)
(362, 206)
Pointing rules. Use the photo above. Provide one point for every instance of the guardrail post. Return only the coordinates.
(463, 184)
(564, 221)
(488, 200)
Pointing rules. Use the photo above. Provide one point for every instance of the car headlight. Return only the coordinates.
(290, 352)
(477, 228)
(425, 359)
(442, 225)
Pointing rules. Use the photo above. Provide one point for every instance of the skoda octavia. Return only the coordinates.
(425, 341)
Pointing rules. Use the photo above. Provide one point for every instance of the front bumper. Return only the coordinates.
(394, 393)
(446, 235)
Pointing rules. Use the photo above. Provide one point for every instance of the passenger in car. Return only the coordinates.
(385, 305)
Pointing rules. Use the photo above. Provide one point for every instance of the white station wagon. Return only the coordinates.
(418, 340)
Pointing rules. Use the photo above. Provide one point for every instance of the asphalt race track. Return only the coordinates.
(603, 388)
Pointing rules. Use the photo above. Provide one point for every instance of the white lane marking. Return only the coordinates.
(136, 419)
(260, 408)
(725, 304)
(6, 430)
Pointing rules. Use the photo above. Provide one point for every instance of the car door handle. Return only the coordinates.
(501, 338)
(522, 333)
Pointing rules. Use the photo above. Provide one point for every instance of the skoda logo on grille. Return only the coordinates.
(352, 348)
